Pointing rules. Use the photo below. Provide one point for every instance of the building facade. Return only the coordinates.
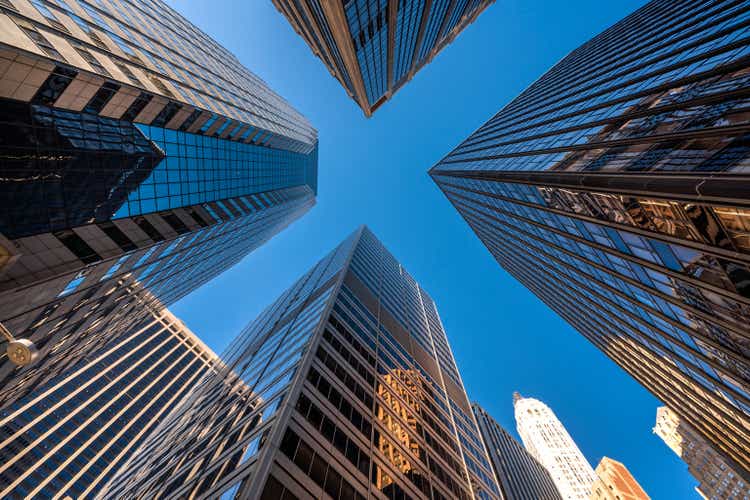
(345, 387)
(615, 482)
(72, 435)
(139, 160)
(546, 438)
(615, 188)
(717, 477)
(519, 475)
(374, 47)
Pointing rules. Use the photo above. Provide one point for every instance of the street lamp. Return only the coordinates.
(20, 352)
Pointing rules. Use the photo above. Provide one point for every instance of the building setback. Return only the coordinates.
(73, 434)
(615, 188)
(615, 482)
(717, 477)
(373, 47)
(519, 475)
(546, 438)
(139, 160)
(345, 386)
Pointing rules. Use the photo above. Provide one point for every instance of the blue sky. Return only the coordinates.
(375, 172)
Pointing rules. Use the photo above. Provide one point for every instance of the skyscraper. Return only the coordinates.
(139, 157)
(519, 475)
(717, 477)
(615, 482)
(615, 188)
(545, 437)
(72, 435)
(344, 386)
(374, 47)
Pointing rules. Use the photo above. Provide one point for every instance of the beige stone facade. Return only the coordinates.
(717, 476)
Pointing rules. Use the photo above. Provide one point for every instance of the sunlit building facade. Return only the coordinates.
(546, 438)
(519, 475)
(345, 387)
(139, 160)
(374, 47)
(615, 188)
(74, 433)
(615, 482)
(717, 476)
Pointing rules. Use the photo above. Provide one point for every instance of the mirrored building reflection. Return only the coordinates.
(138, 160)
(616, 189)
(343, 388)
(375, 47)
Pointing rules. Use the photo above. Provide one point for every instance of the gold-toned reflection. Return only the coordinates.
(401, 428)
(723, 227)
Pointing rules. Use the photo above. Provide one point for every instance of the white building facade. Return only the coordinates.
(545, 437)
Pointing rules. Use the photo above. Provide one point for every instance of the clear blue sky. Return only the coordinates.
(375, 172)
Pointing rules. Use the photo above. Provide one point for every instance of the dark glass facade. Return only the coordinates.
(373, 47)
(615, 188)
(67, 169)
(62, 169)
(74, 433)
(345, 387)
(138, 160)
(520, 475)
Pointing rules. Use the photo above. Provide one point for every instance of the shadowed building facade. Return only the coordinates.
(615, 482)
(343, 388)
(373, 47)
(717, 477)
(615, 188)
(138, 160)
(519, 475)
(74, 433)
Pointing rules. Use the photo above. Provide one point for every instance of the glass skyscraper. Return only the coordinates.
(138, 160)
(616, 189)
(72, 435)
(345, 386)
(373, 47)
(519, 475)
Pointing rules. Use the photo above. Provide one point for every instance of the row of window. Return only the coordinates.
(317, 468)
(602, 325)
(671, 312)
(409, 391)
(266, 106)
(335, 435)
(391, 423)
(666, 335)
(644, 58)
